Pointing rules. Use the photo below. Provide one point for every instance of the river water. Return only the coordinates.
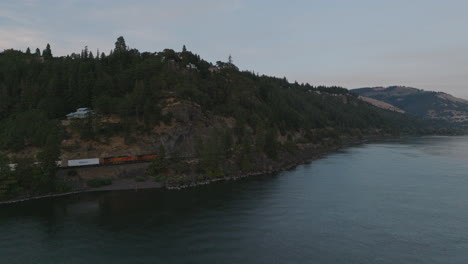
(403, 201)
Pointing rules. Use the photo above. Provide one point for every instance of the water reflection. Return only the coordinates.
(392, 202)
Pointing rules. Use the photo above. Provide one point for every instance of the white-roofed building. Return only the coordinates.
(81, 113)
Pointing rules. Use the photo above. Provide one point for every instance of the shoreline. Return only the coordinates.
(118, 185)
(131, 184)
(286, 167)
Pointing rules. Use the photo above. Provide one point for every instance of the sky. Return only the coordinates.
(350, 43)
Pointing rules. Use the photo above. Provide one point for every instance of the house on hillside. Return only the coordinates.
(81, 113)
(213, 69)
(191, 66)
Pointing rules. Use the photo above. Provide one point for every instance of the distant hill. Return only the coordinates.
(424, 104)
(381, 104)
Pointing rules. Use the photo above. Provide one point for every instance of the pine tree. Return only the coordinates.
(84, 53)
(45, 177)
(8, 181)
(47, 52)
(38, 52)
(28, 51)
(120, 45)
(159, 165)
(184, 49)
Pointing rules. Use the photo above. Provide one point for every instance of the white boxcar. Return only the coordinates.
(83, 162)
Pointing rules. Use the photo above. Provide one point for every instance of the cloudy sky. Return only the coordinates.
(351, 43)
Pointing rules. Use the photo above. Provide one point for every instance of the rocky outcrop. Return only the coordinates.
(188, 124)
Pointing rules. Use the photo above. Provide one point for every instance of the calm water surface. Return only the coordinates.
(402, 201)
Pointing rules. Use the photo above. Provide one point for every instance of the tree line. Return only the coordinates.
(38, 89)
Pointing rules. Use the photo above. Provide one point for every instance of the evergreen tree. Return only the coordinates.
(120, 45)
(135, 87)
(270, 144)
(159, 165)
(8, 182)
(84, 53)
(47, 52)
(45, 176)
(28, 51)
(184, 49)
(230, 63)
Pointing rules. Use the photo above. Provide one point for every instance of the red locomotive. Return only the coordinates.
(127, 159)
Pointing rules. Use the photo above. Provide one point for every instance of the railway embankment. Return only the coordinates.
(126, 176)
(122, 176)
(77, 177)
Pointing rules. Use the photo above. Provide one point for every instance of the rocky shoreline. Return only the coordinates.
(285, 167)
(306, 156)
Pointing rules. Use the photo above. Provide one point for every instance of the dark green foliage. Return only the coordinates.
(213, 151)
(35, 93)
(30, 178)
(28, 128)
(120, 45)
(271, 145)
(47, 52)
(26, 173)
(159, 166)
(245, 156)
(72, 173)
(98, 182)
(45, 174)
(9, 185)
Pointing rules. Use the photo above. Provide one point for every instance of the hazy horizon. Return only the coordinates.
(365, 43)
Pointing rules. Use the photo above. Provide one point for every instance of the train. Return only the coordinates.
(100, 161)
(111, 160)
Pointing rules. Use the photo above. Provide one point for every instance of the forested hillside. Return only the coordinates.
(420, 103)
(174, 101)
(39, 89)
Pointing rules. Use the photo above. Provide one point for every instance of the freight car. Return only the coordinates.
(83, 162)
(99, 161)
(115, 160)
(112, 160)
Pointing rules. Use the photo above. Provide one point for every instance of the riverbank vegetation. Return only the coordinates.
(271, 115)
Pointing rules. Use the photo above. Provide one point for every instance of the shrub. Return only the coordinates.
(95, 183)
(72, 173)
